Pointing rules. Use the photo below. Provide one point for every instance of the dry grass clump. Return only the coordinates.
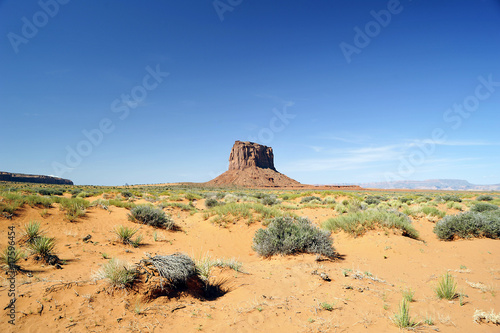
(357, 223)
(488, 317)
(119, 273)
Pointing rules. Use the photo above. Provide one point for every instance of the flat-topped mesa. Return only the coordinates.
(249, 154)
(25, 178)
(252, 165)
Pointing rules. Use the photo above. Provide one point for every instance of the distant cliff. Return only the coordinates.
(433, 184)
(19, 177)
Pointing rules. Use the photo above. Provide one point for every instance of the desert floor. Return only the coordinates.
(279, 294)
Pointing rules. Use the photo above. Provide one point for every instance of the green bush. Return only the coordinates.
(42, 246)
(357, 223)
(288, 235)
(309, 199)
(483, 207)
(211, 202)
(372, 200)
(469, 224)
(451, 197)
(484, 197)
(269, 200)
(149, 215)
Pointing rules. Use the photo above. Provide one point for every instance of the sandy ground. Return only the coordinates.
(279, 294)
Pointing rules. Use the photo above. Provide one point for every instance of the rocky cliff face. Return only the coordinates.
(252, 165)
(249, 154)
(19, 177)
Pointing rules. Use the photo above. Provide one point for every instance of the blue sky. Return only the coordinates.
(115, 92)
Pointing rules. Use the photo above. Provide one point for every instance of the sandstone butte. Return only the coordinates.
(19, 177)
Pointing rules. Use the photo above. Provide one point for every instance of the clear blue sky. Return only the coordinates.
(344, 91)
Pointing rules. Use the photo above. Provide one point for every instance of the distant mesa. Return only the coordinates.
(24, 178)
(252, 165)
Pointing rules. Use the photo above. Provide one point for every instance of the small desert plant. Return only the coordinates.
(152, 216)
(408, 295)
(484, 197)
(451, 197)
(42, 246)
(119, 273)
(402, 318)
(480, 315)
(309, 199)
(269, 200)
(125, 235)
(211, 202)
(9, 258)
(204, 265)
(326, 306)
(446, 287)
(483, 207)
(32, 231)
(372, 200)
(288, 235)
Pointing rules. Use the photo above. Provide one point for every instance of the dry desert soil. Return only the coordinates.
(278, 294)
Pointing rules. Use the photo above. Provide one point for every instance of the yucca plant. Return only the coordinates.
(10, 258)
(42, 246)
(402, 318)
(32, 231)
(125, 235)
(446, 287)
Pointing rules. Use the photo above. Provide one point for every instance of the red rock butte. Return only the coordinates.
(252, 165)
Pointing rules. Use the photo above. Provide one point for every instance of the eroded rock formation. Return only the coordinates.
(19, 177)
(252, 165)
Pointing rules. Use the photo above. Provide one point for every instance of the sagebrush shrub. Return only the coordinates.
(152, 216)
(211, 202)
(483, 206)
(469, 224)
(288, 235)
(484, 197)
(309, 199)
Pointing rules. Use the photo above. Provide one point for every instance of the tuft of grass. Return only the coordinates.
(326, 306)
(484, 197)
(119, 274)
(32, 231)
(152, 216)
(358, 223)
(42, 246)
(125, 235)
(402, 318)
(204, 265)
(409, 295)
(9, 258)
(288, 235)
(446, 287)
